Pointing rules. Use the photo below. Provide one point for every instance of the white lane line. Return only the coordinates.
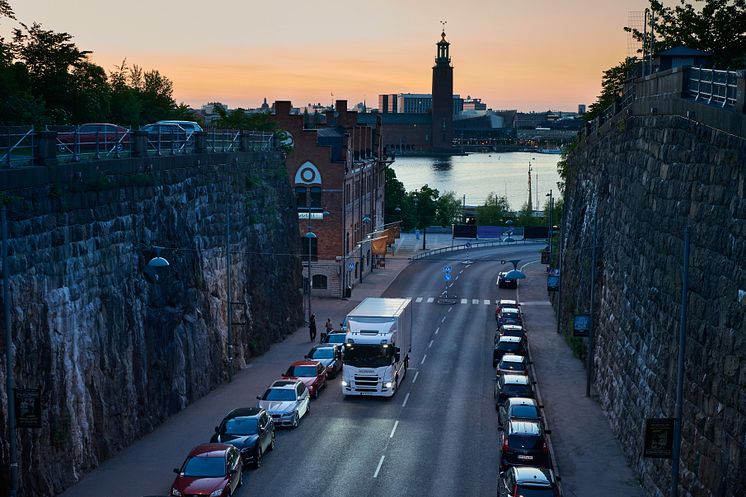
(437, 330)
(474, 301)
(430, 300)
(406, 398)
(486, 302)
(450, 309)
(443, 320)
(393, 430)
(464, 301)
(430, 344)
(419, 299)
(461, 271)
(449, 286)
(456, 277)
(375, 475)
(414, 379)
(423, 360)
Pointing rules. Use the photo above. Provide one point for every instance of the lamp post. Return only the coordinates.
(12, 491)
(310, 235)
(365, 221)
(551, 208)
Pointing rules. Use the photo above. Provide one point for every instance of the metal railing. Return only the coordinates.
(171, 141)
(474, 245)
(17, 146)
(223, 140)
(712, 86)
(94, 142)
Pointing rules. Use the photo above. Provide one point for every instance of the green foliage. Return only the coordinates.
(395, 197)
(494, 212)
(449, 209)
(6, 10)
(563, 167)
(240, 119)
(612, 84)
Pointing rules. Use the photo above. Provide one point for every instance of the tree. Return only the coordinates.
(612, 84)
(6, 10)
(495, 211)
(717, 27)
(395, 197)
(449, 209)
(425, 203)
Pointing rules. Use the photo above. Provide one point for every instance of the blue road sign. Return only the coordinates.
(350, 266)
(446, 269)
(447, 276)
(468, 244)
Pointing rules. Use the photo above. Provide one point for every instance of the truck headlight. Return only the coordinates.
(344, 383)
(388, 384)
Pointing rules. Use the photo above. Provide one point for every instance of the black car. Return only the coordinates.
(504, 282)
(528, 481)
(518, 408)
(508, 345)
(512, 385)
(328, 354)
(250, 430)
(524, 444)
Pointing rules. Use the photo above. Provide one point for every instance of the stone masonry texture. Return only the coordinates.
(117, 346)
(645, 178)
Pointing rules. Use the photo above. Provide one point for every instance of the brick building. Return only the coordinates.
(337, 174)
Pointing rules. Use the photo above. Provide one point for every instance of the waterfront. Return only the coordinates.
(476, 175)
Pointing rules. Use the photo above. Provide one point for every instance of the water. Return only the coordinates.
(477, 175)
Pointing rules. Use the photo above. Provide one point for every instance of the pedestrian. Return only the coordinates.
(312, 327)
(328, 328)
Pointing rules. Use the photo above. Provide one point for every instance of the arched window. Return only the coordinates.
(307, 189)
(319, 281)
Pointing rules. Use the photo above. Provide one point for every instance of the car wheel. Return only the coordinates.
(295, 420)
(257, 458)
(272, 442)
(315, 394)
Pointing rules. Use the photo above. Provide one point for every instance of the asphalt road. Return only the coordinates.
(438, 435)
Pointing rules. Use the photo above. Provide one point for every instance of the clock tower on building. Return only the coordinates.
(442, 108)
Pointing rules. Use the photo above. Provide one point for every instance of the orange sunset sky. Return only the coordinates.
(513, 54)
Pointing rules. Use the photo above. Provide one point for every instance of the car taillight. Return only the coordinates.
(545, 448)
(515, 490)
(505, 444)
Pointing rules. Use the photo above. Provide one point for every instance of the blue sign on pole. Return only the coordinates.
(447, 276)
(350, 266)
(468, 244)
(446, 269)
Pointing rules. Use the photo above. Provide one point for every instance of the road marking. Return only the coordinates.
(430, 300)
(375, 475)
(486, 302)
(538, 302)
(430, 344)
(414, 379)
(461, 271)
(443, 320)
(406, 398)
(449, 286)
(423, 360)
(437, 330)
(456, 277)
(464, 301)
(393, 430)
(474, 301)
(450, 309)
(419, 299)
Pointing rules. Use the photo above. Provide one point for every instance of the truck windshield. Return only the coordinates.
(368, 356)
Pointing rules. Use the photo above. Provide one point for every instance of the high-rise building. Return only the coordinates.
(442, 107)
(581, 109)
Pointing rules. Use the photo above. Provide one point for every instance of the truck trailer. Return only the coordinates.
(376, 352)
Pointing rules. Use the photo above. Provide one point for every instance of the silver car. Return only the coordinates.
(286, 401)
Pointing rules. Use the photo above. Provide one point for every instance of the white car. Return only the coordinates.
(286, 401)
(188, 126)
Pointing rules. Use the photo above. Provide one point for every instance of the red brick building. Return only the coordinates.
(337, 174)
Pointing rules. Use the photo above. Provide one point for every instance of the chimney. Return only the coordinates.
(340, 106)
(282, 107)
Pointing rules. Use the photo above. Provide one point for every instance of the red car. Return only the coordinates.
(312, 373)
(212, 470)
(89, 137)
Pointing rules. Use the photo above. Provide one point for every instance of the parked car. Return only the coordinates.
(518, 408)
(528, 481)
(510, 316)
(209, 469)
(287, 401)
(188, 126)
(512, 385)
(505, 304)
(330, 355)
(504, 282)
(524, 443)
(510, 330)
(507, 344)
(250, 430)
(512, 364)
(337, 337)
(312, 373)
(90, 137)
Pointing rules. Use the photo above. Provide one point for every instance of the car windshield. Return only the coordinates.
(323, 353)
(371, 356)
(204, 467)
(337, 338)
(524, 412)
(516, 390)
(512, 366)
(510, 320)
(240, 426)
(301, 371)
(279, 394)
(509, 346)
(533, 491)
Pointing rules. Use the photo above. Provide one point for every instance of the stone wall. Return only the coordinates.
(114, 345)
(645, 177)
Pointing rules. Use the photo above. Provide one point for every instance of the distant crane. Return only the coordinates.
(530, 204)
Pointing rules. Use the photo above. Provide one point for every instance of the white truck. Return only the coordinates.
(375, 355)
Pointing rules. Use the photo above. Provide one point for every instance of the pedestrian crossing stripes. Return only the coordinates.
(472, 301)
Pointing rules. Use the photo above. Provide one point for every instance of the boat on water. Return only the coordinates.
(550, 150)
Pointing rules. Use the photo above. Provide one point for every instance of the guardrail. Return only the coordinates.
(712, 86)
(95, 142)
(17, 146)
(473, 245)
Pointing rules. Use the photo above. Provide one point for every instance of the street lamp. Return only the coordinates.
(310, 235)
(365, 220)
(551, 208)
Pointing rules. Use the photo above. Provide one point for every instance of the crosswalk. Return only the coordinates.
(472, 301)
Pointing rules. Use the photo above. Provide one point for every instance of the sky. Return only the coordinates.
(530, 55)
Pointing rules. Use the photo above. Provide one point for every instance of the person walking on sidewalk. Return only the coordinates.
(312, 327)
(328, 328)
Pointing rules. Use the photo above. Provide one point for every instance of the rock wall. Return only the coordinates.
(644, 178)
(117, 346)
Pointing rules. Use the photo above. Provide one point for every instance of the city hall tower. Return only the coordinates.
(442, 108)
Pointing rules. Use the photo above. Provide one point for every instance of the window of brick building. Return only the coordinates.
(319, 281)
(304, 242)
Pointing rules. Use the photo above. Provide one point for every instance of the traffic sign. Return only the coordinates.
(468, 244)
(447, 276)
(446, 268)
(350, 266)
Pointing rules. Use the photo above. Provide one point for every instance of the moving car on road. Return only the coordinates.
(524, 443)
(287, 401)
(250, 430)
(512, 385)
(518, 408)
(210, 469)
(528, 481)
(312, 373)
(508, 345)
(504, 282)
(330, 355)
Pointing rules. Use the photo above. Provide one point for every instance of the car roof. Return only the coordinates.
(305, 362)
(521, 401)
(209, 450)
(506, 338)
(515, 379)
(529, 474)
(284, 383)
(523, 427)
(244, 412)
(510, 310)
(513, 327)
(513, 358)
(507, 302)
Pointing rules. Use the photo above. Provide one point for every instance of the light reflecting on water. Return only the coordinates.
(476, 175)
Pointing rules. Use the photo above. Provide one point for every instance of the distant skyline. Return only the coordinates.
(530, 55)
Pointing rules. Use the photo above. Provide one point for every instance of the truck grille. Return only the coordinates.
(366, 382)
